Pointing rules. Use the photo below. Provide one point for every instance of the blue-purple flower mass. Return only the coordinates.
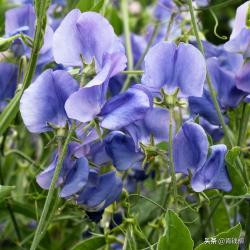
(124, 124)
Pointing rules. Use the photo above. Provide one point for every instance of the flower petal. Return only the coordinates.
(121, 149)
(126, 108)
(190, 147)
(85, 104)
(51, 88)
(213, 174)
(76, 179)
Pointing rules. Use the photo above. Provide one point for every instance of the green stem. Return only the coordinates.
(124, 8)
(247, 228)
(133, 72)
(243, 123)
(150, 42)
(171, 160)
(213, 92)
(62, 154)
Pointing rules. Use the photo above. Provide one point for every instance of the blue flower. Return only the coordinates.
(73, 175)
(190, 148)
(213, 174)
(91, 38)
(100, 191)
(8, 83)
(42, 104)
(240, 38)
(170, 67)
(121, 110)
(22, 20)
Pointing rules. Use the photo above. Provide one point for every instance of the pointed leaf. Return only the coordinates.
(176, 234)
(93, 243)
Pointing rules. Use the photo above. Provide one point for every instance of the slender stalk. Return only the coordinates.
(10, 210)
(62, 154)
(243, 123)
(213, 92)
(171, 161)
(124, 8)
(150, 42)
(247, 229)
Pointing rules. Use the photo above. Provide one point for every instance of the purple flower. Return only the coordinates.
(8, 83)
(240, 38)
(22, 20)
(91, 38)
(121, 110)
(170, 67)
(190, 148)
(213, 174)
(242, 78)
(73, 175)
(100, 191)
(42, 104)
(123, 151)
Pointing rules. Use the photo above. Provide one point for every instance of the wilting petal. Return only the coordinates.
(99, 196)
(43, 101)
(126, 108)
(168, 66)
(121, 149)
(213, 174)
(243, 78)
(190, 147)
(8, 82)
(224, 82)
(76, 179)
(85, 104)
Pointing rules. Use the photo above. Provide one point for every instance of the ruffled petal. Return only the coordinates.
(51, 88)
(168, 66)
(85, 104)
(213, 174)
(99, 196)
(121, 149)
(126, 108)
(190, 147)
(243, 78)
(76, 179)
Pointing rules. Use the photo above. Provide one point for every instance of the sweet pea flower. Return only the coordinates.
(100, 191)
(22, 20)
(74, 173)
(168, 67)
(8, 82)
(240, 37)
(125, 148)
(89, 103)
(42, 104)
(190, 148)
(91, 38)
(213, 174)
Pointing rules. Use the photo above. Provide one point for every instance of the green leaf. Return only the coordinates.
(5, 191)
(220, 240)
(93, 243)
(176, 234)
(238, 183)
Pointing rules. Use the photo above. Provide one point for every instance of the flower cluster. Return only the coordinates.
(128, 125)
